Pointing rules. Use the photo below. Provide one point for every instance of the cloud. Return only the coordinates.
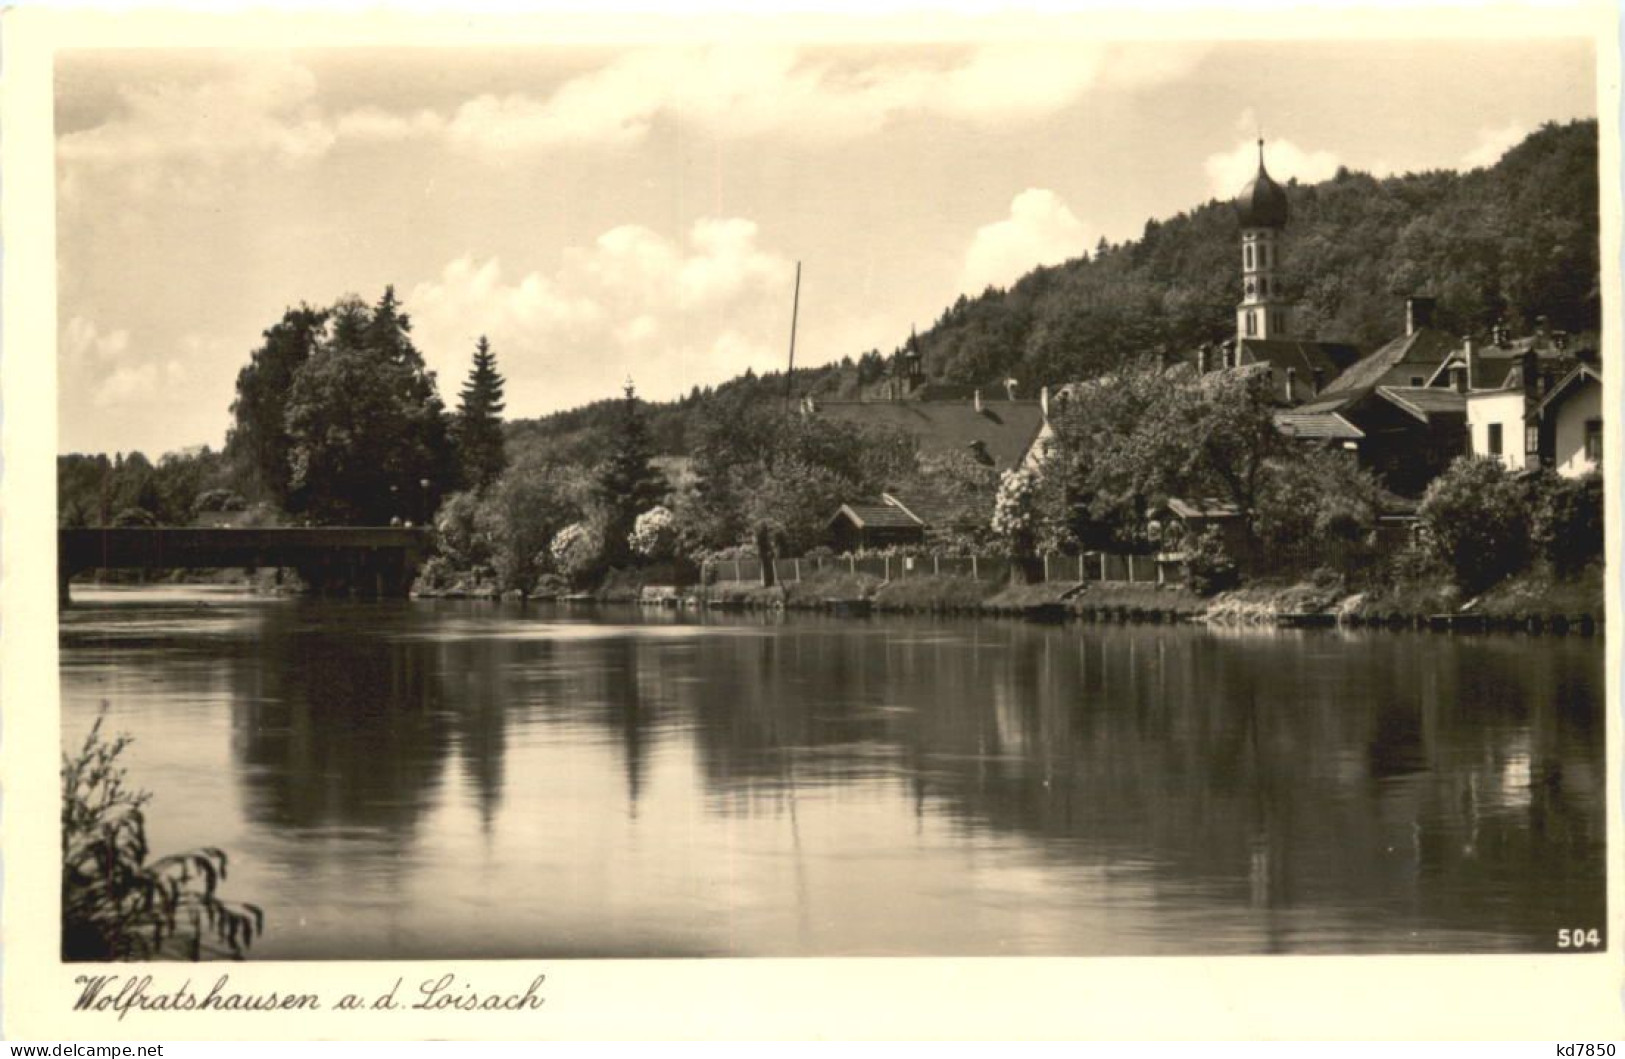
(172, 136)
(175, 135)
(1040, 230)
(1492, 144)
(1229, 171)
(670, 313)
(81, 345)
(740, 91)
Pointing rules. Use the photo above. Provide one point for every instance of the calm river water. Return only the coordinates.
(420, 780)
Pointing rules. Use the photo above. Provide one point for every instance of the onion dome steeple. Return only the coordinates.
(1262, 203)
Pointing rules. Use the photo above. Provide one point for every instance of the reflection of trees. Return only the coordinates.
(336, 726)
(1284, 771)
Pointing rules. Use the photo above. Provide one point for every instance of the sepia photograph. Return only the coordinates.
(1033, 494)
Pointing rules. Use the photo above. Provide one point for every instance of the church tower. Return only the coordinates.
(1262, 210)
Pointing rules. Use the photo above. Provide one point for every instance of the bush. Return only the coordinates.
(654, 534)
(219, 500)
(135, 518)
(117, 905)
(577, 550)
(1566, 523)
(1208, 566)
(1475, 520)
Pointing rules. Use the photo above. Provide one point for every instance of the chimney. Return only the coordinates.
(1043, 401)
(1540, 325)
(1418, 313)
(1009, 389)
(1472, 362)
(977, 400)
(1560, 339)
(1458, 378)
(1292, 386)
(1201, 358)
(1228, 350)
(1320, 381)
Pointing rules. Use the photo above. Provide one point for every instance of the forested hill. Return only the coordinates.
(1510, 242)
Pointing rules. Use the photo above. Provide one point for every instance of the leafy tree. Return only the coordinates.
(1475, 519)
(1566, 524)
(116, 903)
(258, 439)
(478, 425)
(627, 482)
(367, 433)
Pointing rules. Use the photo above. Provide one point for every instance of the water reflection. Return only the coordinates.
(462, 779)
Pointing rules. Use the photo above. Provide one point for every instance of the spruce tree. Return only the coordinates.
(479, 420)
(627, 483)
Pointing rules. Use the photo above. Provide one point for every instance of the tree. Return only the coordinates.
(627, 483)
(477, 428)
(258, 440)
(1475, 520)
(366, 432)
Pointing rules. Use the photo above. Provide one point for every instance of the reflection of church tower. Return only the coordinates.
(1262, 209)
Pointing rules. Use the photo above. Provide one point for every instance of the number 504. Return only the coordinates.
(1579, 939)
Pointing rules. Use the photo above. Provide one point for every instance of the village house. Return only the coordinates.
(1539, 406)
(1570, 420)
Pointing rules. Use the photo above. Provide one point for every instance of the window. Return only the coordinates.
(1531, 440)
(1248, 252)
(1252, 323)
(1594, 441)
(1495, 439)
(1417, 380)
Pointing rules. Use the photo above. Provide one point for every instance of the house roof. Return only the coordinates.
(1567, 383)
(1426, 348)
(1004, 429)
(928, 510)
(1330, 357)
(1317, 425)
(1425, 402)
(1207, 508)
(879, 513)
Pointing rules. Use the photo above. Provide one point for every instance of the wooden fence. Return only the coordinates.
(1090, 566)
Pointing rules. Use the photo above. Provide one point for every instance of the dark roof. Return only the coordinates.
(1425, 402)
(1005, 429)
(877, 514)
(1262, 203)
(1425, 348)
(1330, 357)
(1583, 371)
(929, 510)
(1327, 404)
(1317, 425)
(1206, 508)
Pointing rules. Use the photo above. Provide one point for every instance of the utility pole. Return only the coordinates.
(795, 311)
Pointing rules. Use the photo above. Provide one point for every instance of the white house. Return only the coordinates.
(1496, 426)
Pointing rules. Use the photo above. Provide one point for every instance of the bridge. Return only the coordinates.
(357, 560)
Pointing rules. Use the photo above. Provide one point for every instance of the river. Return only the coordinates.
(479, 780)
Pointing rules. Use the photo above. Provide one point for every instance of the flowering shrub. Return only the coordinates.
(1015, 511)
(654, 533)
(575, 549)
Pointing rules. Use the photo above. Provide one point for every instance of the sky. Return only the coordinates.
(611, 213)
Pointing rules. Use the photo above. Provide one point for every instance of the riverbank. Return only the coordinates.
(1532, 602)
